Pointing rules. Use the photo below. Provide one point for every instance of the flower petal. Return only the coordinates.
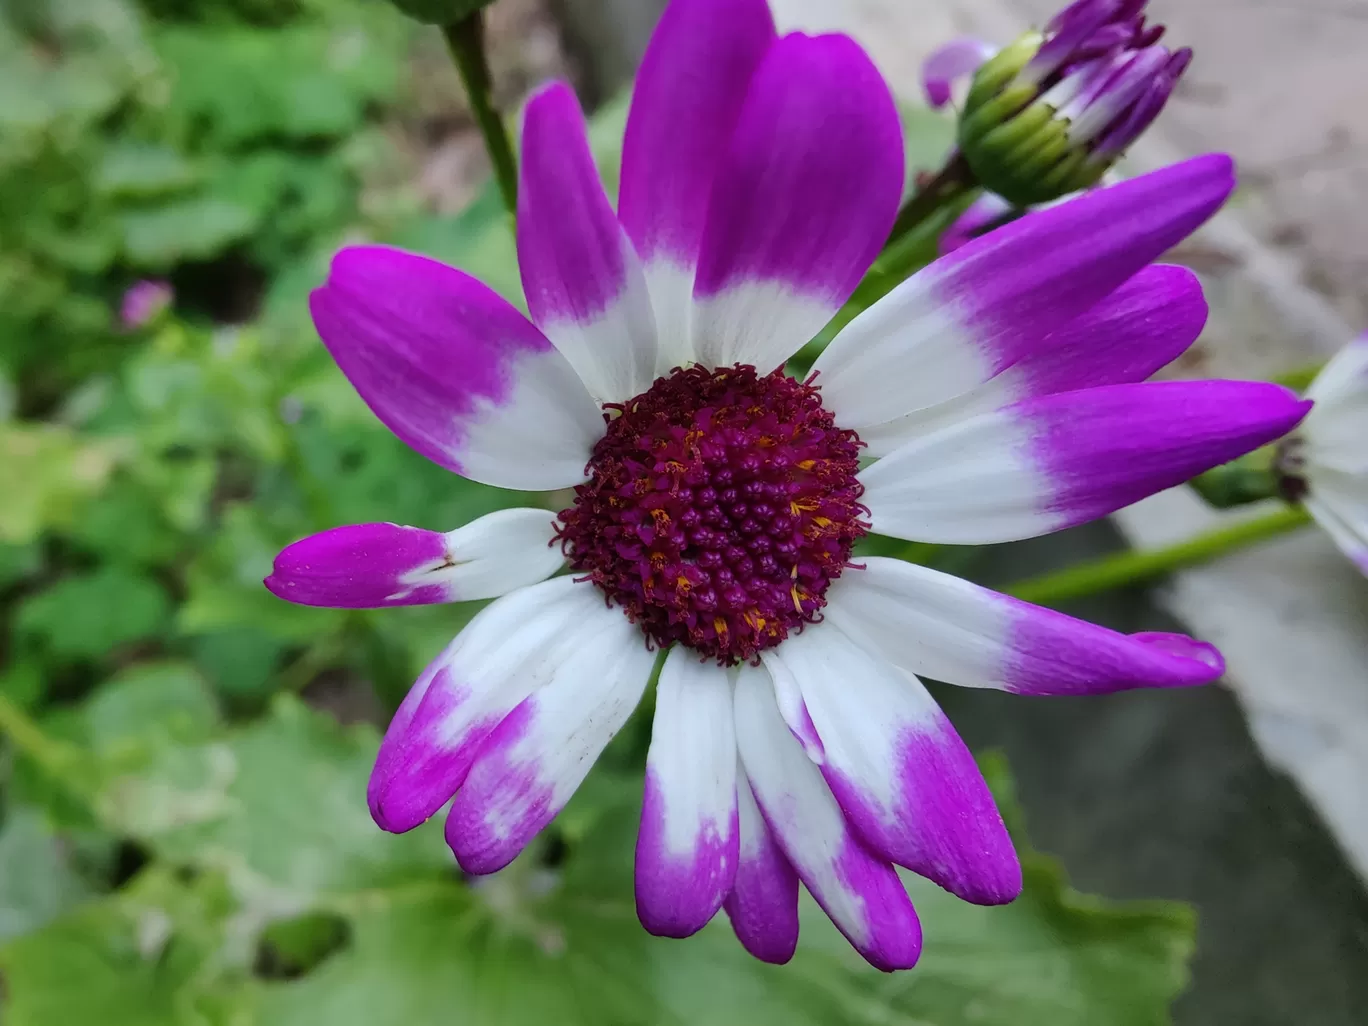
(455, 371)
(978, 310)
(687, 849)
(1050, 463)
(975, 220)
(581, 275)
(366, 566)
(1144, 325)
(859, 891)
(763, 904)
(531, 763)
(1336, 427)
(509, 650)
(950, 62)
(900, 772)
(1339, 503)
(802, 203)
(1345, 375)
(688, 95)
(946, 628)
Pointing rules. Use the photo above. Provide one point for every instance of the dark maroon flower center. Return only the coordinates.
(720, 507)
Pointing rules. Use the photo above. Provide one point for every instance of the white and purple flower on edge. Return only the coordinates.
(717, 501)
(1324, 463)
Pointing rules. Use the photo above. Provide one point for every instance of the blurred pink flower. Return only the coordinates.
(143, 301)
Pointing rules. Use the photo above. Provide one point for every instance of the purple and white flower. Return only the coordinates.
(1324, 463)
(716, 501)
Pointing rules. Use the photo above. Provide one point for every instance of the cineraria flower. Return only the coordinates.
(1324, 463)
(142, 302)
(1049, 114)
(717, 501)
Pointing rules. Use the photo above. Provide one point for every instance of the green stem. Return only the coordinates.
(465, 40)
(55, 757)
(950, 183)
(1125, 568)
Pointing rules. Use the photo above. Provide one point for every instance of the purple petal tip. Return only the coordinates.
(1211, 664)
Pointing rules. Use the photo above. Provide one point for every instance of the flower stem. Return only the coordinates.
(55, 757)
(1135, 567)
(465, 40)
(949, 184)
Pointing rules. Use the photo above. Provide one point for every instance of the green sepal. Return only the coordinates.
(996, 73)
(1251, 478)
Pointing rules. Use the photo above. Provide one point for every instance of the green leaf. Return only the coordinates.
(17, 562)
(188, 229)
(125, 526)
(239, 660)
(37, 881)
(165, 700)
(302, 81)
(141, 170)
(46, 472)
(86, 615)
(282, 800)
(144, 957)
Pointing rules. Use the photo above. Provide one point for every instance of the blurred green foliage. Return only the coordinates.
(183, 831)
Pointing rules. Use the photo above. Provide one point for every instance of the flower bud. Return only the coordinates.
(1050, 113)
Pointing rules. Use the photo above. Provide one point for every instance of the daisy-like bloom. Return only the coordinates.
(1324, 463)
(1050, 113)
(717, 501)
(142, 302)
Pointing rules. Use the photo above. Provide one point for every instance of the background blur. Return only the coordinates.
(183, 832)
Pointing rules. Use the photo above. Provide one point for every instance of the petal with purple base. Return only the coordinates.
(687, 849)
(454, 370)
(946, 628)
(994, 301)
(949, 63)
(1047, 464)
(1144, 325)
(688, 95)
(763, 903)
(802, 204)
(367, 566)
(528, 767)
(901, 774)
(508, 651)
(859, 891)
(582, 278)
